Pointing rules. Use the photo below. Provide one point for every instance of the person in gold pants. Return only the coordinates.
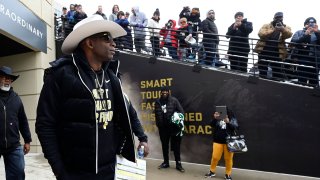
(222, 127)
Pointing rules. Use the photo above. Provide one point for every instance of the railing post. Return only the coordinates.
(253, 79)
(317, 67)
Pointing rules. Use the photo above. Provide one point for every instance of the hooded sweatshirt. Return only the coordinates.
(139, 22)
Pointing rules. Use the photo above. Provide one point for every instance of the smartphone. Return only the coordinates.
(311, 24)
(222, 110)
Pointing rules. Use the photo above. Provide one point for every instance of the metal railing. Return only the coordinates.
(300, 65)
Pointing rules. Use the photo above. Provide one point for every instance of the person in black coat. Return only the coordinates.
(307, 52)
(83, 119)
(210, 39)
(13, 120)
(164, 108)
(126, 41)
(239, 47)
(195, 22)
(79, 14)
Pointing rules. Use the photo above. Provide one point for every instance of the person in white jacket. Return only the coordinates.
(154, 29)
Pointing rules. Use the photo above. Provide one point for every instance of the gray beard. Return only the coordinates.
(5, 88)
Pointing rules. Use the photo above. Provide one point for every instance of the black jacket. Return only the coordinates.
(66, 124)
(210, 31)
(163, 119)
(195, 23)
(183, 33)
(221, 130)
(12, 120)
(239, 42)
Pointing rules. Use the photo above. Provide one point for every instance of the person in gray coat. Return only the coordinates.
(139, 21)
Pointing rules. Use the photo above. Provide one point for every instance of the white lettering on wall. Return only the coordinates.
(19, 20)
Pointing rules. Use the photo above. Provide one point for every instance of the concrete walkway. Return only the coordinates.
(37, 168)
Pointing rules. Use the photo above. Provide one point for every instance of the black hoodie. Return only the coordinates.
(66, 119)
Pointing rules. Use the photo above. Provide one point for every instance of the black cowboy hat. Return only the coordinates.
(7, 71)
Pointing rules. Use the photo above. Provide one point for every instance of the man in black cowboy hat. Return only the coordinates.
(83, 119)
(12, 119)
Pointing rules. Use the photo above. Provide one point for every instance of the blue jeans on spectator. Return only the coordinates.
(172, 51)
(14, 164)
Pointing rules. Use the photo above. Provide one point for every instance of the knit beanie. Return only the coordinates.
(238, 14)
(278, 14)
(310, 19)
(157, 12)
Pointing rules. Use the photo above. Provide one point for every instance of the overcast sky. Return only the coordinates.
(258, 12)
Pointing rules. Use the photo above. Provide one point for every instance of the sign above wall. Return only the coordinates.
(18, 21)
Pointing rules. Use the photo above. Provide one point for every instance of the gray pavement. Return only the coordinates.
(37, 168)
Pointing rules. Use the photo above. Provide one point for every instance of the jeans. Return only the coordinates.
(139, 43)
(14, 164)
(211, 53)
(172, 51)
(155, 42)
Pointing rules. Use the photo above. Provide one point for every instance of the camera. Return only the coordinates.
(169, 24)
(278, 25)
(244, 20)
(311, 23)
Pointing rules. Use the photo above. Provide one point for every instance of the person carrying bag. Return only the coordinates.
(222, 126)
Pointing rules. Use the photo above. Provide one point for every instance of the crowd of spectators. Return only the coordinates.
(194, 40)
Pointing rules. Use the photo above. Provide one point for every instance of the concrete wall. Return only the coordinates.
(30, 66)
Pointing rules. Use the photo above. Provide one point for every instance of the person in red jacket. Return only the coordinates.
(169, 33)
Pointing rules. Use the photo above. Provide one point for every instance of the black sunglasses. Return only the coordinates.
(105, 36)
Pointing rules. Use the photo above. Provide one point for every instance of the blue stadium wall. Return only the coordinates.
(280, 121)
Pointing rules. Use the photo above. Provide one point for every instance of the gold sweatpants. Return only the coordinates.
(217, 150)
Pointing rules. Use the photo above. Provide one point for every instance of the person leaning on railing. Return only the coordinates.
(271, 46)
(239, 47)
(124, 42)
(308, 52)
(210, 38)
(154, 29)
(184, 31)
(139, 21)
(170, 41)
